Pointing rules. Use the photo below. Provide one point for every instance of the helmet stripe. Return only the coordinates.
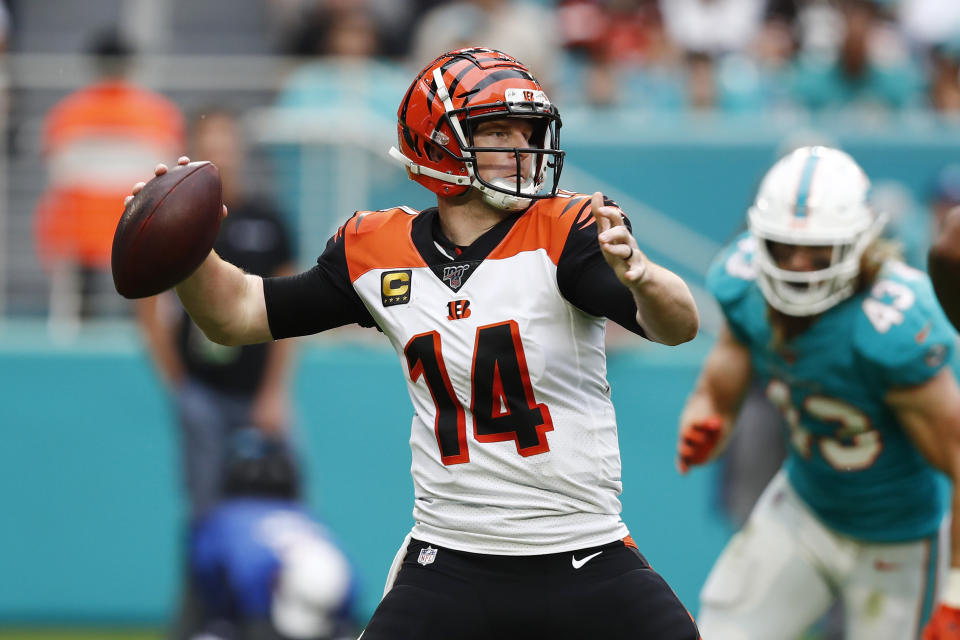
(493, 78)
(803, 191)
(457, 76)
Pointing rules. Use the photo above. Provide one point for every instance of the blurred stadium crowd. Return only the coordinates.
(880, 62)
(732, 55)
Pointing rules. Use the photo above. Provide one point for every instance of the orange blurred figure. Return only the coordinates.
(96, 141)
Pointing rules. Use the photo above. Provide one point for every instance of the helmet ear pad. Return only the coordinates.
(445, 158)
(434, 153)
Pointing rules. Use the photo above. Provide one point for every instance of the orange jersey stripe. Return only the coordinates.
(382, 239)
(545, 225)
(379, 240)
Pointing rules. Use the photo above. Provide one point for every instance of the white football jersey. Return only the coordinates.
(514, 437)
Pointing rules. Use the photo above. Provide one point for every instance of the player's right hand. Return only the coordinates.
(159, 171)
(619, 247)
(697, 442)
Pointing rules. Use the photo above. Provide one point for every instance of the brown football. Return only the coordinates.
(167, 230)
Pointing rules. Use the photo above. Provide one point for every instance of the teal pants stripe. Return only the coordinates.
(929, 592)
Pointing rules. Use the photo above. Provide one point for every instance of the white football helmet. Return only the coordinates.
(814, 196)
(313, 584)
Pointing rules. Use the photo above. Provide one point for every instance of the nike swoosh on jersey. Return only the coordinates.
(579, 563)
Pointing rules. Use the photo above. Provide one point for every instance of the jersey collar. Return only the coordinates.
(434, 246)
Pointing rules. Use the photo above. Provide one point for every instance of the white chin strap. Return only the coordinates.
(419, 169)
(502, 200)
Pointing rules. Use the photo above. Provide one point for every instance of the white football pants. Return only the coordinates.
(784, 569)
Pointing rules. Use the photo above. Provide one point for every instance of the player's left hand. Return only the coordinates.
(944, 624)
(617, 243)
(697, 442)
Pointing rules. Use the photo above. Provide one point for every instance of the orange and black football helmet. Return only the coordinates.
(440, 112)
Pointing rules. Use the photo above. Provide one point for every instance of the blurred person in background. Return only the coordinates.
(343, 66)
(395, 20)
(220, 389)
(668, 57)
(944, 82)
(716, 36)
(6, 27)
(604, 43)
(713, 26)
(516, 464)
(852, 348)
(854, 56)
(944, 194)
(95, 141)
(262, 566)
(526, 29)
(928, 23)
(217, 389)
(944, 265)
(343, 85)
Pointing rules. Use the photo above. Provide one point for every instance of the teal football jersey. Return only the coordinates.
(848, 458)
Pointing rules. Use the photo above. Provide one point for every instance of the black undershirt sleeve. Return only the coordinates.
(587, 281)
(315, 300)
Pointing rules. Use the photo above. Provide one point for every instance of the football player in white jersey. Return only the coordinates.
(853, 349)
(496, 302)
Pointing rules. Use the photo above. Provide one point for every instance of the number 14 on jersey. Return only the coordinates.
(502, 402)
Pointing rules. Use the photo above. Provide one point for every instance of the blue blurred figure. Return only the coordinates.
(263, 567)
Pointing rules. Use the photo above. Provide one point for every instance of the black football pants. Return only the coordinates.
(607, 592)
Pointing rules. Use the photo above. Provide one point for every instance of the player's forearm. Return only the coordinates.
(701, 404)
(722, 384)
(226, 303)
(665, 307)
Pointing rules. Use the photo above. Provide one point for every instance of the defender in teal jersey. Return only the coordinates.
(855, 352)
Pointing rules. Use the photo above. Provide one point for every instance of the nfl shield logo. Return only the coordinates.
(427, 556)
